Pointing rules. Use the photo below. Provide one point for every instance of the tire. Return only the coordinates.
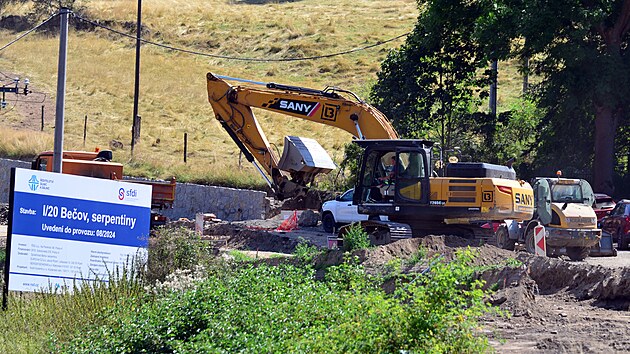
(578, 253)
(530, 241)
(503, 239)
(622, 242)
(328, 222)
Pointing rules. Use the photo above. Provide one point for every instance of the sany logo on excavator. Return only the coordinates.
(293, 106)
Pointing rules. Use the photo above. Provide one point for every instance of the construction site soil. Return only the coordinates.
(554, 305)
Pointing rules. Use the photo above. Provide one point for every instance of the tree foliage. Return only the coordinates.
(429, 83)
(579, 49)
(433, 85)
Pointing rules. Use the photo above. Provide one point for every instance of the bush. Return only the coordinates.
(176, 249)
(355, 238)
(305, 252)
(284, 309)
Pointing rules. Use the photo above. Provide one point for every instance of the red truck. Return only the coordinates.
(98, 164)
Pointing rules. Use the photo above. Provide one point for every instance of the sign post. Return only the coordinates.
(539, 241)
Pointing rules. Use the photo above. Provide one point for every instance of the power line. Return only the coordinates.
(28, 32)
(188, 51)
(216, 56)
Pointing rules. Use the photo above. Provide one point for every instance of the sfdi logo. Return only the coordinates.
(131, 193)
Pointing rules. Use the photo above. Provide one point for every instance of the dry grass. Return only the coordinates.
(173, 97)
(23, 144)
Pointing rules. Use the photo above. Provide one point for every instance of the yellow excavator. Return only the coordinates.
(397, 177)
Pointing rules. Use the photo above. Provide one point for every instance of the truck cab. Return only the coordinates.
(564, 202)
(81, 163)
(564, 207)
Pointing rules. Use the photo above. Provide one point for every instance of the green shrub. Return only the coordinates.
(305, 252)
(355, 238)
(416, 257)
(173, 249)
(285, 309)
(239, 256)
(393, 266)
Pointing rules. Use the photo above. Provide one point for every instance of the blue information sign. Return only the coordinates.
(65, 228)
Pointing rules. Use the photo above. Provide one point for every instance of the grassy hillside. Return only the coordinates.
(173, 97)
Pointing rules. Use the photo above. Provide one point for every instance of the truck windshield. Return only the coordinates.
(566, 193)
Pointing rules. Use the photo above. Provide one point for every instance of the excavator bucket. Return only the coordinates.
(605, 247)
(304, 155)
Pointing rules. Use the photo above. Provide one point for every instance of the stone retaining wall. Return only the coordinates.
(226, 203)
(5, 176)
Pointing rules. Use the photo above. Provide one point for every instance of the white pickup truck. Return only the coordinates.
(340, 212)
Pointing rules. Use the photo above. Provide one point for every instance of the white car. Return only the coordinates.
(341, 211)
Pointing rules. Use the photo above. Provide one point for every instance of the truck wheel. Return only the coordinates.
(503, 239)
(529, 241)
(578, 253)
(328, 222)
(622, 243)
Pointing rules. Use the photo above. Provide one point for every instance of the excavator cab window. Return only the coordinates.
(394, 176)
(410, 175)
(375, 177)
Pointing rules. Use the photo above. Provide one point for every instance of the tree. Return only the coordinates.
(433, 85)
(428, 86)
(581, 50)
(578, 47)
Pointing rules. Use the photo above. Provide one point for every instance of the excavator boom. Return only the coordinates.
(233, 105)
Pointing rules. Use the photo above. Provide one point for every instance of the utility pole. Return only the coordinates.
(137, 80)
(525, 74)
(493, 88)
(61, 90)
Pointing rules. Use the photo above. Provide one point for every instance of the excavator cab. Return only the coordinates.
(393, 173)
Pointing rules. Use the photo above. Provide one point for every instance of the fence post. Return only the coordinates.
(185, 146)
(136, 129)
(84, 129)
(42, 118)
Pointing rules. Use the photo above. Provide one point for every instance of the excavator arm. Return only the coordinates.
(288, 175)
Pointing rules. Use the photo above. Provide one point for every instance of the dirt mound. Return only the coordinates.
(261, 241)
(516, 290)
(580, 280)
(237, 236)
(444, 246)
